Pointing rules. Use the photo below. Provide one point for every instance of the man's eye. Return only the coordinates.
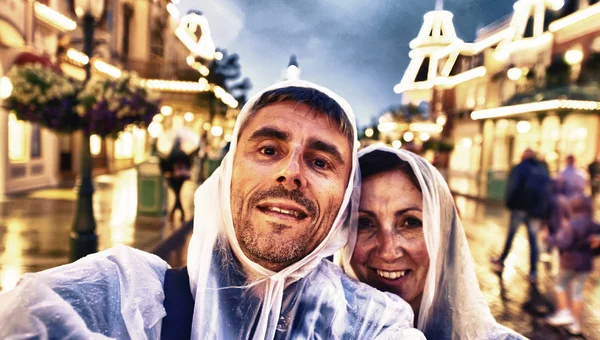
(319, 163)
(267, 150)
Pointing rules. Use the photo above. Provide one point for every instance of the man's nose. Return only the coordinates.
(291, 173)
(390, 247)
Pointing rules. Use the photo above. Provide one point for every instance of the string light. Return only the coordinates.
(554, 104)
(53, 17)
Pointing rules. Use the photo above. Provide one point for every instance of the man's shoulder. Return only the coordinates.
(103, 293)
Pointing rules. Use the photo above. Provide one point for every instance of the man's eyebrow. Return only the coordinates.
(319, 145)
(269, 132)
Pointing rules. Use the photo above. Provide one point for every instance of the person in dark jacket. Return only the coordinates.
(573, 242)
(527, 197)
(179, 163)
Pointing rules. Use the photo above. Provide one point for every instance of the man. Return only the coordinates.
(571, 179)
(264, 222)
(528, 199)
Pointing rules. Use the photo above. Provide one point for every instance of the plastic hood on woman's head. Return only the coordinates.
(452, 306)
(214, 246)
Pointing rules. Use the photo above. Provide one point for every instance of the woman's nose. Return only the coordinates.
(390, 248)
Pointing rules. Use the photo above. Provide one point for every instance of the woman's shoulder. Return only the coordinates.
(357, 295)
(353, 309)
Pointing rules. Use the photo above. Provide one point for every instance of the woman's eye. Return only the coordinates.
(268, 150)
(364, 223)
(412, 222)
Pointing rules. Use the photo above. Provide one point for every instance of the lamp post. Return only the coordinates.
(293, 70)
(83, 238)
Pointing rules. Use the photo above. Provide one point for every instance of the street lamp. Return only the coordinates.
(293, 70)
(83, 238)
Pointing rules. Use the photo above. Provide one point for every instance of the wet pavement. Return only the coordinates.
(34, 229)
(35, 226)
(512, 300)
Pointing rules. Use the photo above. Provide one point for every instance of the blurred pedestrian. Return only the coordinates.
(528, 198)
(573, 180)
(180, 164)
(594, 172)
(573, 241)
(559, 210)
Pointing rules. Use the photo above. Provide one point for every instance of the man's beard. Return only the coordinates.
(268, 247)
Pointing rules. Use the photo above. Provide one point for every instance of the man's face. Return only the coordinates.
(290, 171)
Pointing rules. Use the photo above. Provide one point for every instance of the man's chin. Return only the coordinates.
(273, 252)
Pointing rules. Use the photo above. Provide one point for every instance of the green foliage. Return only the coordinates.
(438, 145)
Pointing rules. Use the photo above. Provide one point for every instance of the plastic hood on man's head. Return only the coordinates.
(213, 211)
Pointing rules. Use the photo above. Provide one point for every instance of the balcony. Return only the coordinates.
(161, 69)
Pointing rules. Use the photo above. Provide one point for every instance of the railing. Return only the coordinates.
(173, 248)
(159, 69)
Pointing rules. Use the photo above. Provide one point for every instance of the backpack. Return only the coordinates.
(536, 192)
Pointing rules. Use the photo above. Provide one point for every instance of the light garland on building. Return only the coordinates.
(437, 33)
(53, 17)
(107, 68)
(451, 81)
(574, 18)
(77, 57)
(549, 105)
(186, 32)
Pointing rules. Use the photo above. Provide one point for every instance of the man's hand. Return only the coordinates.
(594, 241)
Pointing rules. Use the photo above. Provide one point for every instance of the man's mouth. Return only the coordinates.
(285, 211)
(392, 275)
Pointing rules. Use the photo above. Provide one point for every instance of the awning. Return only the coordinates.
(23, 55)
(572, 98)
(573, 92)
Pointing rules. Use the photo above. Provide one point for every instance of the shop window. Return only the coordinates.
(36, 142)
(124, 146)
(16, 139)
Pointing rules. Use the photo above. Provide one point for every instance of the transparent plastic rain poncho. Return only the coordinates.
(452, 305)
(118, 293)
(236, 298)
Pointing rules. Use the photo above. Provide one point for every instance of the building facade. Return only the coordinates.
(171, 57)
(529, 80)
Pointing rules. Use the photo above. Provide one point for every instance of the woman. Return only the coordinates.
(410, 242)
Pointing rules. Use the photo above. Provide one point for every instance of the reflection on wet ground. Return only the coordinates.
(512, 300)
(35, 227)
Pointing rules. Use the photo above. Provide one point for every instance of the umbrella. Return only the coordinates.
(190, 140)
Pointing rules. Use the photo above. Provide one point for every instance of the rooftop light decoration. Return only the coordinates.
(44, 96)
(107, 106)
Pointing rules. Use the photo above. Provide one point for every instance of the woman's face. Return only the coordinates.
(390, 252)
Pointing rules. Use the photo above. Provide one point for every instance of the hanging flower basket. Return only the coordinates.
(107, 106)
(44, 96)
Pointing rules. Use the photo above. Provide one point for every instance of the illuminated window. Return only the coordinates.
(124, 146)
(16, 139)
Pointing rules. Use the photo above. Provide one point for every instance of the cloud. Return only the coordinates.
(357, 48)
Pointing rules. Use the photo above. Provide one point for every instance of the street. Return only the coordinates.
(513, 302)
(35, 227)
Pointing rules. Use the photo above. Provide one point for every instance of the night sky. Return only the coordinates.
(358, 49)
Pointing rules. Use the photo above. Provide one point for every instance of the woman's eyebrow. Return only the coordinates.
(405, 210)
(368, 212)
